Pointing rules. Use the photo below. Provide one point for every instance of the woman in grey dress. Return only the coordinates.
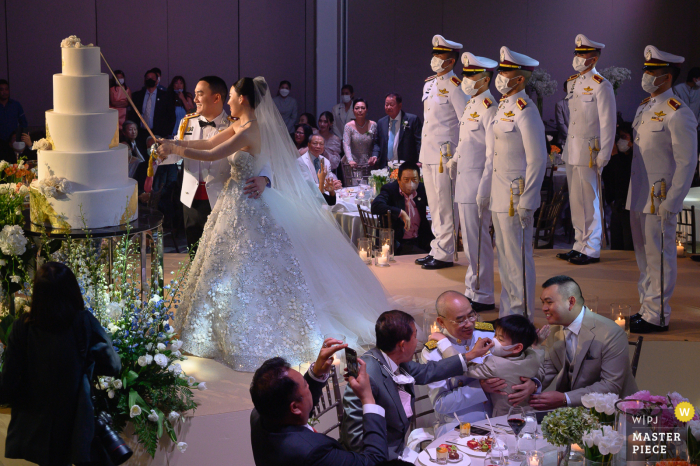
(358, 137)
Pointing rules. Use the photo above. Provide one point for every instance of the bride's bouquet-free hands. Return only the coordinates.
(167, 147)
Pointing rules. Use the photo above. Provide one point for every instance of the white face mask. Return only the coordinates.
(284, 92)
(580, 63)
(470, 88)
(499, 350)
(403, 379)
(121, 81)
(502, 84)
(345, 98)
(648, 81)
(436, 64)
(412, 186)
(18, 146)
(623, 145)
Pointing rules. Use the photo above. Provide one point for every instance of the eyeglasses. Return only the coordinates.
(462, 321)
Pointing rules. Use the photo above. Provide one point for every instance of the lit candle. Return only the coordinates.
(680, 250)
(385, 250)
(620, 321)
(434, 328)
(382, 259)
(363, 254)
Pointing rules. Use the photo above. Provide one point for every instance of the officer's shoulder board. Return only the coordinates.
(572, 77)
(431, 78)
(488, 102)
(456, 81)
(598, 78)
(521, 103)
(231, 119)
(431, 344)
(483, 326)
(673, 103)
(645, 100)
(182, 130)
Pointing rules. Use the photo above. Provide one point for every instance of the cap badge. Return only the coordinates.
(647, 55)
(578, 41)
(503, 56)
(436, 42)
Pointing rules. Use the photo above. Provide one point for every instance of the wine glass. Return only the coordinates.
(516, 421)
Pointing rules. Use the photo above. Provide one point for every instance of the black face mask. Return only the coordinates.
(150, 83)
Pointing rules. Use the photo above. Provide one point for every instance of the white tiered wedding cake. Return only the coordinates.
(82, 169)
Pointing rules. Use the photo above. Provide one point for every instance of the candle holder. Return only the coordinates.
(364, 250)
(535, 458)
(386, 242)
(680, 249)
(620, 314)
(381, 257)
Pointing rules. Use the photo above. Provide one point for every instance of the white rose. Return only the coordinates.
(149, 347)
(175, 345)
(153, 417)
(41, 144)
(202, 386)
(161, 347)
(142, 361)
(135, 411)
(182, 446)
(117, 384)
(173, 417)
(161, 360)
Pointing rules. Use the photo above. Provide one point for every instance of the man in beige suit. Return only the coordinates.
(584, 352)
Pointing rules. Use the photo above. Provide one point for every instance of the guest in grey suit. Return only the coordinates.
(584, 352)
(283, 399)
(398, 134)
(392, 375)
(561, 116)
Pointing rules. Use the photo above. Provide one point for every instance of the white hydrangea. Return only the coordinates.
(12, 240)
(73, 41)
(42, 144)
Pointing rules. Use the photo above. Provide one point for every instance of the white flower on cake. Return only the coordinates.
(73, 41)
(53, 185)
(12, 240)
(41, 144)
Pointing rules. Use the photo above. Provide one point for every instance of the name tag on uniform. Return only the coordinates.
(507, 119)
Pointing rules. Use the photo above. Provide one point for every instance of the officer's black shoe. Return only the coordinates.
(435, 264)
(423, 260)
(567, 255)
(582, 259)
(479, 307)
(642, 326)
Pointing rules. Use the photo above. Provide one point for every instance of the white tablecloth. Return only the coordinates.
(692, 199)
(541, 445)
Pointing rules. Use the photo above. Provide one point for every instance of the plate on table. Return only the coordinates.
(471, 444)
(464, 460)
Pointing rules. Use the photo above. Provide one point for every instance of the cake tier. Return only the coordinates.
(81, 133)
(86, 170)
(80, 94)
(100, 208)
(80, 61)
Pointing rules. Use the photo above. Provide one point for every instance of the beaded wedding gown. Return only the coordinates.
(273, 275)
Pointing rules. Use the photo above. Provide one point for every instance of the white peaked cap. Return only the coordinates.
(442, 45)
(472, 63)
(584, 44)
(655, 58)
(516, 61)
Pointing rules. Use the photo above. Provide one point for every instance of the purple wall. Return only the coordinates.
(389, 40)
(228, 38)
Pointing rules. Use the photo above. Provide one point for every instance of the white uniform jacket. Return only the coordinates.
(443, 106)
(592, 112)
(471, 148)
(665, 146)
(515, 147)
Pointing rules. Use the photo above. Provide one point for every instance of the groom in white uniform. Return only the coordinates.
(203, 181)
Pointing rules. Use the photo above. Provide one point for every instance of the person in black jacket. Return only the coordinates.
(616, 180)
(52, 354)
(406, 200)
(398, 134)
(283, 399)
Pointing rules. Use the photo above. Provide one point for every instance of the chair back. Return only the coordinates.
(353, 175)
(547, 189)
(330, 400)
(414, 420)
(547, 220)
(637, 353)
(686, 227)
(372, 224)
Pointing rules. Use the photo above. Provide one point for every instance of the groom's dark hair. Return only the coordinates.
(217, 86)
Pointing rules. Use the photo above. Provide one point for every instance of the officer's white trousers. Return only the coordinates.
(509, 234)
(439, 188)
(469, 221)
(646, 234)
(585, 209)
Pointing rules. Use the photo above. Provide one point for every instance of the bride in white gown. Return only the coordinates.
(271, 275)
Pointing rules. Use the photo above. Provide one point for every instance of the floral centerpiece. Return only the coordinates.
(616, 75)
(694, 442)
(19, 172)
(566, 426)
(602, 406)
(379, 179)
(542, 84)
(601, 444)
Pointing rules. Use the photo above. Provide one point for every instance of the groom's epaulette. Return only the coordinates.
(483, 326)
(232, 119)
(184, 129)
(431, 345)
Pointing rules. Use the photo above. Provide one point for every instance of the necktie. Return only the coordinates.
(149, 110)
(392, 135)
(317, 163)
(203, 124)
(569, 345)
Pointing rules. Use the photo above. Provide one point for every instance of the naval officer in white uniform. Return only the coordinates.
(592, 113)
(443, 106)
(461, 395)
(665, 147)
(515, 149)
(477, 73)
(203, 181)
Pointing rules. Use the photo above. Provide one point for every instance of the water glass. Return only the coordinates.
(495, 458)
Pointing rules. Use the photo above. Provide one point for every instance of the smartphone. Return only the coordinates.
(476, 430)
(351, 362)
